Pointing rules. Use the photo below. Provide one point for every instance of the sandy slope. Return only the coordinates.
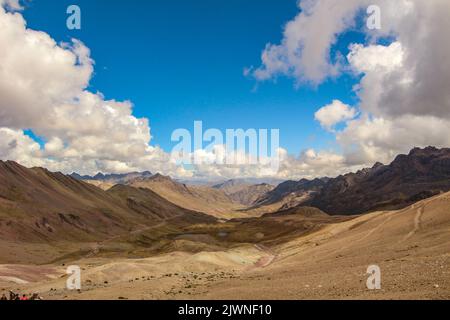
(411, 246)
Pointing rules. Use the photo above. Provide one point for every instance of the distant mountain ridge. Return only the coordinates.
(113, 178)
(244, 193)
(409, 178)
(293, 190)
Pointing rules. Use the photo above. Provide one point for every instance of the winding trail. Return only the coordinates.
(417, 223)
(379, 226)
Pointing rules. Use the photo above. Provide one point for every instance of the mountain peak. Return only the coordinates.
(99, 176)
(229, 184)
(377, 165)
(428, 150)
(160, 177)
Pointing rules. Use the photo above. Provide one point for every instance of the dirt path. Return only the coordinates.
(417, 222)
(378, 227)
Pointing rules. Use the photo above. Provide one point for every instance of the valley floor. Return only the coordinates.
(411, 246)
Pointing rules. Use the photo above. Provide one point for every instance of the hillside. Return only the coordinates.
(291, 192)
(244, 193)
(250, 194)
(41, 207)
(409, 178)
(299, 254)
(198, 198)
(152, 206)
(409, 245)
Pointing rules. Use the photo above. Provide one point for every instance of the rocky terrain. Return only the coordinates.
(244, 193)
(209, 200)
(291, 192)
(409, 178)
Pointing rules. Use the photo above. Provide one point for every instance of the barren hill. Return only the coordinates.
(198, 198)
(291, 192)
(244, 193)
(38, 206)
(409, 178)
(300, 253)
(410, 246)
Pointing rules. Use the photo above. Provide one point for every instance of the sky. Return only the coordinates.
(182, 61)
(109, 96)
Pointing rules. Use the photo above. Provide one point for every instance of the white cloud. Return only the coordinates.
(13, 5)
(43, 87)
(312, 164)
(376, 57)
(304, 51)
(404, 99)
(336, 112)
(15, 145)
(403, 92)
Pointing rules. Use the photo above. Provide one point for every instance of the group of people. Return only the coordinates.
(24, 297)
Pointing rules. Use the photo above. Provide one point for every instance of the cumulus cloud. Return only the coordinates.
(336, 112)
(15, 145)
(43, 87)
(403, 93)
(376, 58)
(312, 164)
(304, 51)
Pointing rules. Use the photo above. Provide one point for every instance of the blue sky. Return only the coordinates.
(181, 61)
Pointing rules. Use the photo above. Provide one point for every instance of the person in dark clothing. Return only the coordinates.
(13, 296)
(36, 296)
(3, 298)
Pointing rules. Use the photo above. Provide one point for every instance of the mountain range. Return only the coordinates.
(39, 205)
(112, 178)
(149, 236)
(409, 178)
(243, 192)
